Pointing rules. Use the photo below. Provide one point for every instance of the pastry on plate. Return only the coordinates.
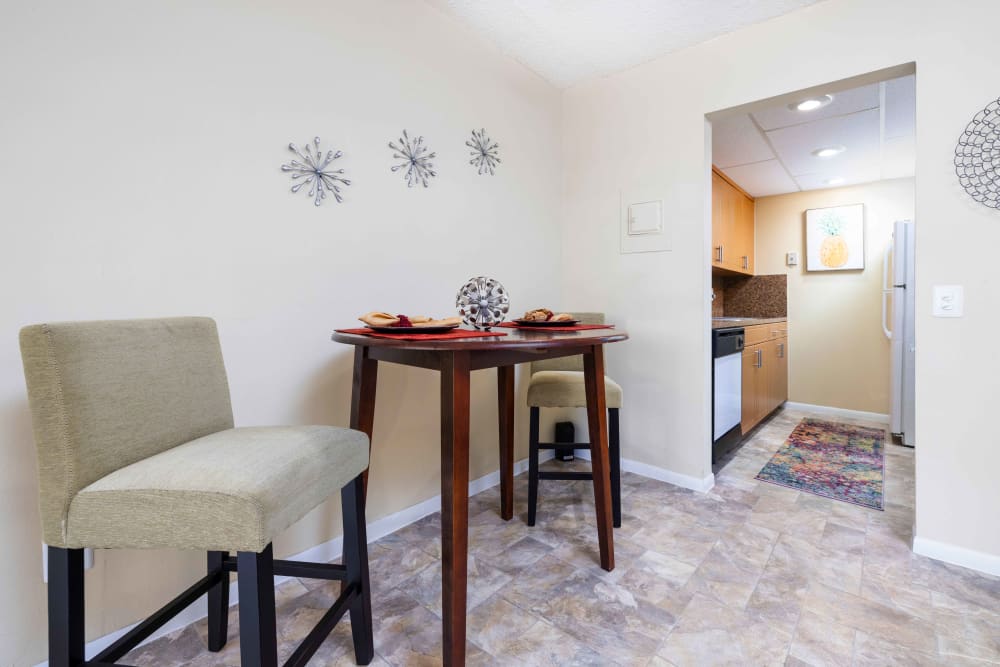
(538, 315)
(561, 317)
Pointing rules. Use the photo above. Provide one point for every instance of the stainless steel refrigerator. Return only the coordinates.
(898, 306)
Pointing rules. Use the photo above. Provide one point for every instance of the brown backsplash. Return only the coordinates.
(719, 289)
(752, 296)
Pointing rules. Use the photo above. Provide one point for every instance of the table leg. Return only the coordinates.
(454, 501)
(363, 397)
(597, 419)
(505, 410)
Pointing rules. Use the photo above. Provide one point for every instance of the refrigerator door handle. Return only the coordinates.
(886, 291)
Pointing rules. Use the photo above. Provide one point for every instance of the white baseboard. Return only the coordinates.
(321, 553)
(662, 474)
(949, 553)
(839, 412)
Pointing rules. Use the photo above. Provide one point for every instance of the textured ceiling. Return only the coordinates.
(771, 151)
(567, 41)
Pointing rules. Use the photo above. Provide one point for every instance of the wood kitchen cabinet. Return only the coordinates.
(732, 226)
(765, 372)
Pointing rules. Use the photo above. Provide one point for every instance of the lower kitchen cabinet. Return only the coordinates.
(765, 376)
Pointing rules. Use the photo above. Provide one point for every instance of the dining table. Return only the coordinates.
(455, 359)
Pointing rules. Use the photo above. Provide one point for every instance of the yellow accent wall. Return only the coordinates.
(839, 356)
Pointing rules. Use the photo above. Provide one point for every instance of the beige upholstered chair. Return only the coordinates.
(558, 383)
(136, 450)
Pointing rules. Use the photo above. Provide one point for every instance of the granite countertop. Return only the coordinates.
(726, 322)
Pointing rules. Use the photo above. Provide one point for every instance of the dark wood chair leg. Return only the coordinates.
(533, 465)
(66, 620)
(505, 412)
(218, 603)
(615, 456)
(258, 629)
(352, 499)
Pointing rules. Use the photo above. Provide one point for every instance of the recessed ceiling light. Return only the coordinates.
(829, 151)
(834, 181)
(812, 103)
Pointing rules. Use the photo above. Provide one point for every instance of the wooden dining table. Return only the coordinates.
(455, 359)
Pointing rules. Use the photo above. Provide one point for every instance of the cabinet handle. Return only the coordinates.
(746, 262)
(781, 350)
(760, 359)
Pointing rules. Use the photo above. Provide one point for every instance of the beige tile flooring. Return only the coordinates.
(747, 574)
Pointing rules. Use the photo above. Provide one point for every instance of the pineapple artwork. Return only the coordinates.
(833, 250)
(835, 238)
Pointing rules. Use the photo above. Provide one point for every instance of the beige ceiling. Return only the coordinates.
(770, 151)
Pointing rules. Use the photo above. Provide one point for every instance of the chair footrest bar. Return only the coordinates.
(564, 445)
(136, 635)
(296, 568)
(548, 474)
(322, 629)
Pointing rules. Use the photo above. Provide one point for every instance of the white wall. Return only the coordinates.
(838, 355)
(647, 125)
(141, 145)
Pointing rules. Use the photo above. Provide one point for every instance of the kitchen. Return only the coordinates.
(795, 320)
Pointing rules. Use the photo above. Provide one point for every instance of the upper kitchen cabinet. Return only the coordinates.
(732, 227)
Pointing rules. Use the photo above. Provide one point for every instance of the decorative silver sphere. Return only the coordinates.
(482, 302)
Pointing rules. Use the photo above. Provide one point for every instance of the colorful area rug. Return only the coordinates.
(830, 459)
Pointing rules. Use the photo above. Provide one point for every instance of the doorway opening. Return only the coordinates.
(811, 262)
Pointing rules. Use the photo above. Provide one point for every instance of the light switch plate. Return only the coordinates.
(949, 301)
(792, 258)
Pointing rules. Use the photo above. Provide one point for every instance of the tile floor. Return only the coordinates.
(747, 574)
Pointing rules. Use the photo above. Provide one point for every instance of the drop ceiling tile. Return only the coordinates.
(820, 181)
(844, 102)
(736, 141)
(900, 107)
(859, 132)
(762, 179)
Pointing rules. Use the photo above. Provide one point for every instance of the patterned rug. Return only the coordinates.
(839, 461)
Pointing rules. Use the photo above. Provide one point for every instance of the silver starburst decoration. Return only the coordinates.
(485, 152)
(415, 160)
(313, 169)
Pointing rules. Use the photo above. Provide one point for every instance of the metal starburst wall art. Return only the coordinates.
(314, 172)
(415, 160)
(485, 152)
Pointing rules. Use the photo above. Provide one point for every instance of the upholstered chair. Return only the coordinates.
(558, 383)
(137, 450)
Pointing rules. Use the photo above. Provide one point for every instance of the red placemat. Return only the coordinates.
(575, 327)
(454, 333)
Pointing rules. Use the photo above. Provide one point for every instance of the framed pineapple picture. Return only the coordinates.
(835, 238)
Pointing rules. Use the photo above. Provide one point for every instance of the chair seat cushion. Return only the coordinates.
(565, 389)
(234, 490)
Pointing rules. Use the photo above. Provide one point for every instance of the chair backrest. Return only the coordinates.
(574, 363)
(104, 395)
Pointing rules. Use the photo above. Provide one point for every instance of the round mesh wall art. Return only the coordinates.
(977, 156)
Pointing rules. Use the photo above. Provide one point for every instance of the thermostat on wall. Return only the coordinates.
(645, 218)
(642, 224)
